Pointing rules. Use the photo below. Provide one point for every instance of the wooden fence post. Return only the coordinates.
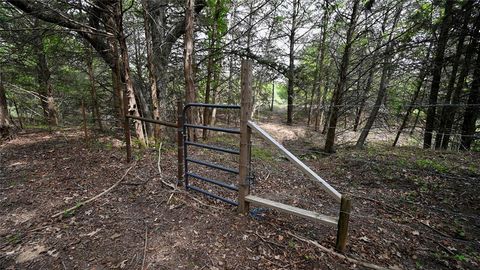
(180, 142)
(245, 112)
(342, 232)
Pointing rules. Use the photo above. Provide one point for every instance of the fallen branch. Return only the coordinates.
(97, 196)
(145, 247)
(341, 256)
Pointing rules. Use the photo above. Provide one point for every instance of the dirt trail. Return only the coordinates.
(42, 174)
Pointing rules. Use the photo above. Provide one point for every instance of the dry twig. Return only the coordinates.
(341, 256)
(97, 196)
(145, 247)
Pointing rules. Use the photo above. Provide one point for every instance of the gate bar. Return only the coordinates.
(207, 105)
(152, 121)
(212, 165)
(216, 182)
(226, 130)
(211, 147)
(212, 195)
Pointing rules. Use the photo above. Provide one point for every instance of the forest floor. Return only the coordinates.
(412, 209)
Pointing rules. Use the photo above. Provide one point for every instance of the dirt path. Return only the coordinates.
(42, 173)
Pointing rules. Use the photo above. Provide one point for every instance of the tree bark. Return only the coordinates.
(152, 70)
(291, 65)
(5, 125)
(340, 88)
(437, 74)
(188, 62)
(213, 71)
(132, 108)
(45, 88)
(93, 88)
(319, 69)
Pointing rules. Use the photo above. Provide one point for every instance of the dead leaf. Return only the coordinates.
(365, 239)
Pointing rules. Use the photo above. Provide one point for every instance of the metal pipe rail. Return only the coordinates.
(215, 148)
(329, 189)
(159, 122)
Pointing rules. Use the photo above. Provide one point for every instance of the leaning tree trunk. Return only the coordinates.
(450, 111)
(386, 72)
(443, 136)
(340, 88)
(410, 108)
(5, 125)
(438, 62)
(131, 103)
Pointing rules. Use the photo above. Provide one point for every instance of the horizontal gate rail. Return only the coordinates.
(217, 106)
(215, 148)
(226, 130)
(212, 165)
(327, 220)
(149, 120)
(212, 195)
(216, 182)
(325, 186)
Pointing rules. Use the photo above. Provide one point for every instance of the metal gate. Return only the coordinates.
(188, 142)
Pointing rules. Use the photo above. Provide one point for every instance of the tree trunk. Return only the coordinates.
(321, 110)
(340, 88)
(442, 137)
(421, 79)
(448, 113)
(132, 108)
(472, 110)
(5, 125)
(116, 74)
(93, 88)
(291, 65)
(188, 62)
(20, 121)
(45, 88)
(211, 70)
(386, 73)
(437, 74)
(273, 96)
(319, 69)
(152, 71)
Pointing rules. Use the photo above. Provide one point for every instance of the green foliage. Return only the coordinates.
(68, 213)
(432, 164)
(460, 257)
(262, 153)
(282, 94)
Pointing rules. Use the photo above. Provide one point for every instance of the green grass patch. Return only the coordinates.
(261, 154)
(432, 165)
(14, 239)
